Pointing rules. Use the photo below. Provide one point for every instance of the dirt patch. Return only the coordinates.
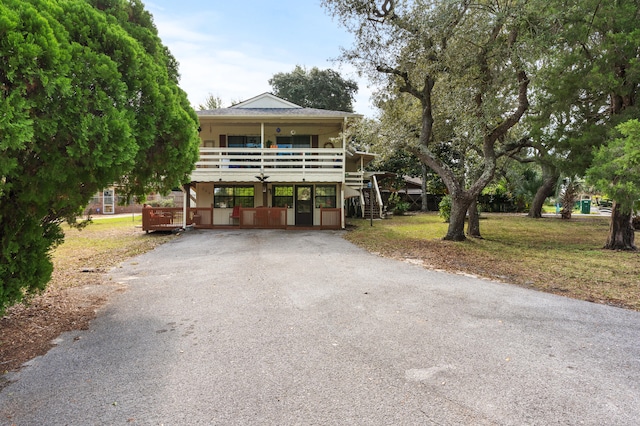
(29, 330)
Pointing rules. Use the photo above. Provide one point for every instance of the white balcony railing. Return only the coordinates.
(354, 179)
(291, 164)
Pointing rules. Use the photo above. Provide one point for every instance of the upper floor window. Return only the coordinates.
(297, 141)
(243, 141)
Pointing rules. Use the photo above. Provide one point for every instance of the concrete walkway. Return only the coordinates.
(303, 328)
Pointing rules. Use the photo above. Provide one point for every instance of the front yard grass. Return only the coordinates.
(549, 254)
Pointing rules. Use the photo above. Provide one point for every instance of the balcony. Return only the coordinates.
(281, 164)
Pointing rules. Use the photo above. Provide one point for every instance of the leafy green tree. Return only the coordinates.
(588, 81)
(515, 183)
(386, 138)
(323, 89)
(465, 64)
(616, 172)
(371, 135)
(88, 98)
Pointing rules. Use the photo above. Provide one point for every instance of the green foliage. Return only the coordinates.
(323, 89)
(397, 205)
(401, 208)
(587, 82)
(165, 202)
(455, 78)
(513, 188)
(459, 73)
(398, 161)
(89, 98)
(445, 208)
(616, 167)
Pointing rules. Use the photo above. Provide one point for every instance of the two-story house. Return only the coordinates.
(268, 163)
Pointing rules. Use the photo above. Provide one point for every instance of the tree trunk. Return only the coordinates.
(569, 197)
(459, 206)
(621, 231)
(549, 179)
(473, 227)
(425, 203)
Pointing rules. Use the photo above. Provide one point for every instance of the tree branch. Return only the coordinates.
(523, 105)
(513, 148)
(406, 86)
(387, 9)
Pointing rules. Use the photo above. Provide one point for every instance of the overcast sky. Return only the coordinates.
(232, 48)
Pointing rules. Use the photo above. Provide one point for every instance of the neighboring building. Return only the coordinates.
(268, 163)
(411, 192)
(108, 202)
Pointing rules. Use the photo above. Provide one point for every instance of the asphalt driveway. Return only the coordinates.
(301, 327)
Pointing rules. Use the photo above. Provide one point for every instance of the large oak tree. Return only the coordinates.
(464, 63)
(89, 97)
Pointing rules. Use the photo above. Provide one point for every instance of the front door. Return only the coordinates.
(304, 205)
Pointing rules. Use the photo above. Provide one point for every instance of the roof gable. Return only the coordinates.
(268, 106)
(265, 101)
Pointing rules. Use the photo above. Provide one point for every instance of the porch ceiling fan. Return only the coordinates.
(262, 178)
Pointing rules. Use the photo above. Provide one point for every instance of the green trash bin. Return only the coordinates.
(585, 206)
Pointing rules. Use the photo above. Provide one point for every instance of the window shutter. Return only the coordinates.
(223, 141)
(314, 141)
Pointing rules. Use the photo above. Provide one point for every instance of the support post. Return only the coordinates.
(371, 202)
(342, 220)
(185, 201)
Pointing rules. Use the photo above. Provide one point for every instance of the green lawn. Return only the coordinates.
(100, 246)
(549, 254)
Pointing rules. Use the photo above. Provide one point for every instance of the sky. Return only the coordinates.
(230, 49)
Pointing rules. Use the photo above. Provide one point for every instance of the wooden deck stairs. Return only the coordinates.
(366, 194)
